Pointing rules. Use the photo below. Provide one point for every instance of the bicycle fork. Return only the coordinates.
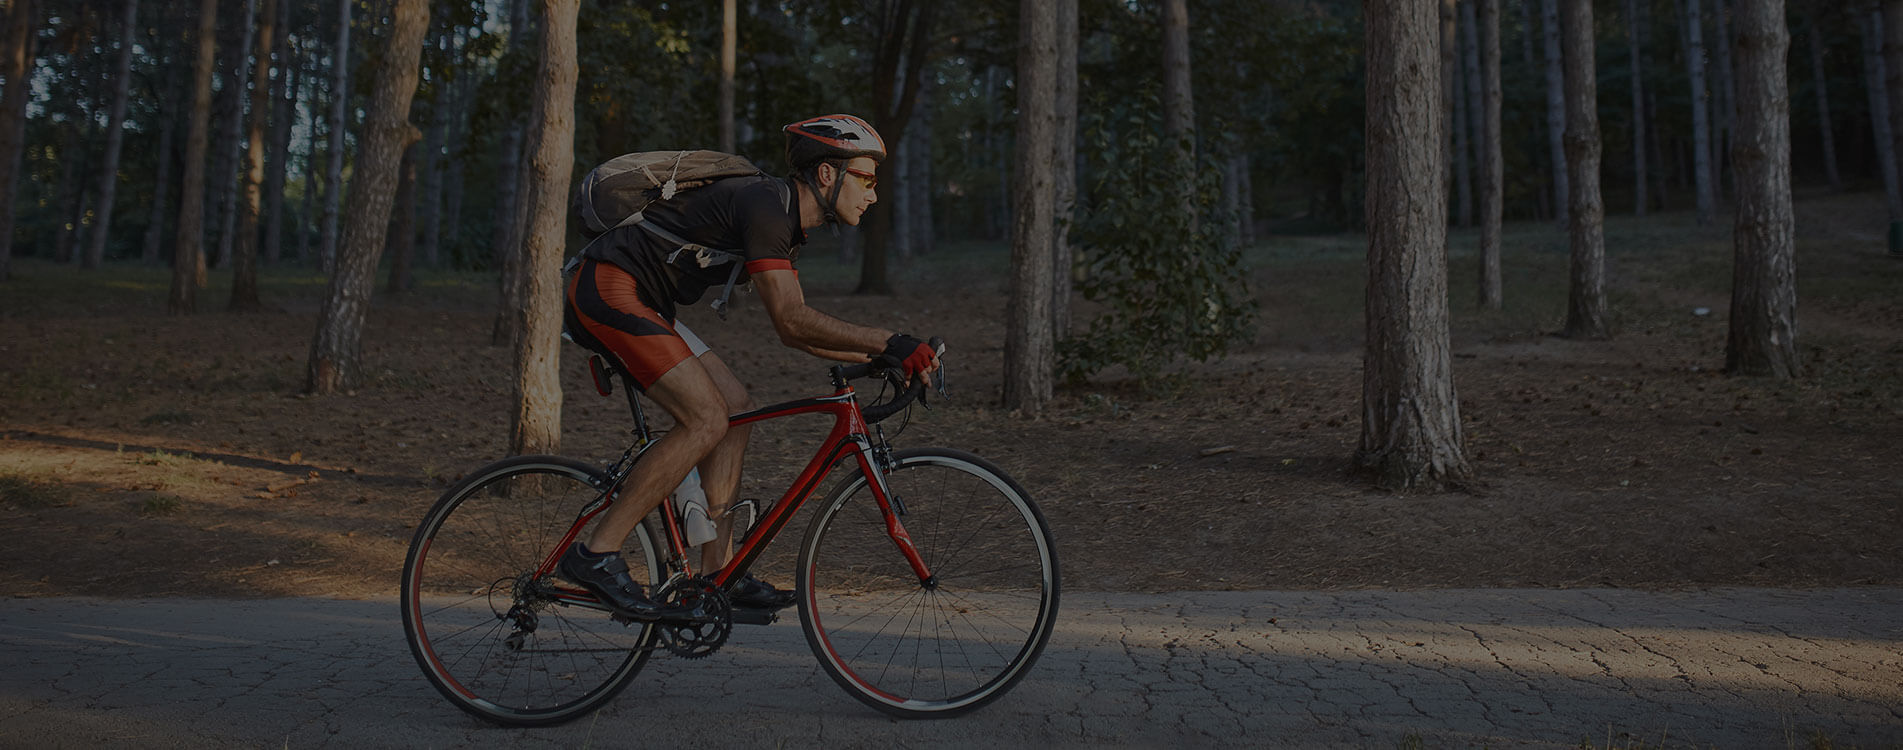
(876, 461)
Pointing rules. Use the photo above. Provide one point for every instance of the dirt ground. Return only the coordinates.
(147, 455)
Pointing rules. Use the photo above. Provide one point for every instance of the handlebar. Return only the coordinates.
(874, 414)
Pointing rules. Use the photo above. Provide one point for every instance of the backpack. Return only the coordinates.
(614, 194)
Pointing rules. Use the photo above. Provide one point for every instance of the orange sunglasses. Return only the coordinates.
(870, 180)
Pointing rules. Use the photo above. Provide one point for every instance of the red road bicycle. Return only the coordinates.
(927, 579)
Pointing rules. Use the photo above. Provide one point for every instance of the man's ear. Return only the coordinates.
(825, 174)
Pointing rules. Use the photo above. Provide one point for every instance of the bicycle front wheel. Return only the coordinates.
(948, 645)
(495, 637)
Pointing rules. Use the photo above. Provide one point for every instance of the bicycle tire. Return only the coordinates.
(468, 589)
(914, 650)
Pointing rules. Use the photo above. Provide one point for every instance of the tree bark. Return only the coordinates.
(283, 96)
(1763, 331)
(1820, 82)
(1636, 44)
(115, 139)
(509, 203)
(1410, 422)
(537, 423)
(1725, 90)
(729, 33)
(1701, 115)
(1492, 173)
(1064, 163)
(1472, 108)
(903, 44)
(1586, 298)
(1874, 76)
(244, 269)
(1179, 110)
(229, 179)
(1556, 109)
(188, 251)
(1892, 27)
(334, 171)
(337, 348)
(1449, 35)
(16, 63)
(401, 239)
(1029, 351)
(162, 179)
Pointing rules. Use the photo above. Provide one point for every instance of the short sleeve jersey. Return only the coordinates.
(745, 215)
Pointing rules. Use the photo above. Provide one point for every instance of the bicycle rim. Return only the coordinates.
(918, 651)
(485, 630)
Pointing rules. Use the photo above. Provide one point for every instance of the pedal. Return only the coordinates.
(755, 616)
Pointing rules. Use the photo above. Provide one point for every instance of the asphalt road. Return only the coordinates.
(1744, 668)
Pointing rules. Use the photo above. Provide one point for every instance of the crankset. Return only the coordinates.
(705, 634)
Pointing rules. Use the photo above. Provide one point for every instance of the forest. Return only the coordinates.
(311, 246)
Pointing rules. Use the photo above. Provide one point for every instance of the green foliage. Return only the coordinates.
(1172, 283)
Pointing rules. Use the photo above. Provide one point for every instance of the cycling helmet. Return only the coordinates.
(829, 138)
(810, 142)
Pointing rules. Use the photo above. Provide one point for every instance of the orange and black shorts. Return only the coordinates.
(605, 314)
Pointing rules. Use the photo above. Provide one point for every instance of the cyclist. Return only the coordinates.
(621, 303)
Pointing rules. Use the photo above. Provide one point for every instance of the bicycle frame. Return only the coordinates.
(849, 437)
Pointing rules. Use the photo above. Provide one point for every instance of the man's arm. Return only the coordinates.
(810, 330)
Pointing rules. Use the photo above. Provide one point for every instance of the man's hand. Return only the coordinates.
(913, 357)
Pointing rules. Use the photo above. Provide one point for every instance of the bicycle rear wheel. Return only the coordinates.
(495, 638)
(943, 647)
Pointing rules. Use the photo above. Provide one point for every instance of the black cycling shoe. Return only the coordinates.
(752, 593)
(607, 577)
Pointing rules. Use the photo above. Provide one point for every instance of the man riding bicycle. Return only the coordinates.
(621, 303)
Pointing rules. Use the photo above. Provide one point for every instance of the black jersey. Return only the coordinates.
(754, 217)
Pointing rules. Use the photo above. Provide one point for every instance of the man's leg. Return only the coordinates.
(688, 393)
(720, 470)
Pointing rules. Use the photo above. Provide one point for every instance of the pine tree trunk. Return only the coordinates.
(1725, 91)
(400, 241)
(230, 180)
(1556, 110)
(1701, 115)
(334, 171)
(1179, 103)
(1586, 298)
(162, 179)
(537, 423)
(1893, 73)
(244, 269)
(115, 139)
(1449, 44)
(1473, 107)
(1064, 167)
(1820, 82)
(1410, 424)
(1492, 175)
(898, 61)
(1763, 331)
(1875, 73)
(188, 251)
(16, 61)
(509, 213)
(1029, 351)
(1636, 44)
(283, 96)
(336, 361)
(729, 33)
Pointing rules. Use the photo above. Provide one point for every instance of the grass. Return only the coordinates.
(162, 505)
(24, 492)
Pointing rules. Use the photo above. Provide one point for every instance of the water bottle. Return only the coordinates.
(690, 503)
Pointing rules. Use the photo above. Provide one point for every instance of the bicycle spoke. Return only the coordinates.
(954, 643)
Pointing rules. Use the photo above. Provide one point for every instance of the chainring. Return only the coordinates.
(696, 640)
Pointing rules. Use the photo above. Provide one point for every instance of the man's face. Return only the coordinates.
(857, 189)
